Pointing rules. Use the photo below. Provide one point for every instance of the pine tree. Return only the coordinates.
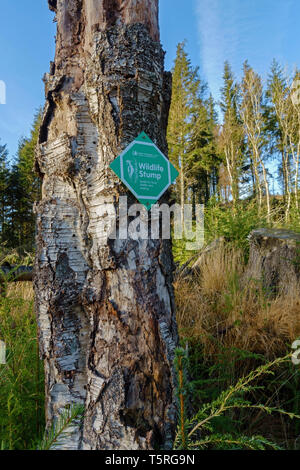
(213, 127)
(24, 191)
(185, 92)
(4, 178)
(203, 158)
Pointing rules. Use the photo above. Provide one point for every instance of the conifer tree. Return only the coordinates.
(203, 159)
(213, 127)
(185, 91)
(4, 178)
(24, 191)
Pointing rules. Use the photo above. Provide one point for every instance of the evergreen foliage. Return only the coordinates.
(19, 190)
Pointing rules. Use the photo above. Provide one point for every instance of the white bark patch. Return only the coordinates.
(96, 387)
(162, 290)
(56, 156)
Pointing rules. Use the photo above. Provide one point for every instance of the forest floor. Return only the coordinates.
(228, 330)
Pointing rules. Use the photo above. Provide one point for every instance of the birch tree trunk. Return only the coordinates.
(105, 308)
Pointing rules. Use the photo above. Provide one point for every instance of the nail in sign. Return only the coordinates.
(145, 170)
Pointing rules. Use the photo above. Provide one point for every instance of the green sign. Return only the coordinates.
(145, 170)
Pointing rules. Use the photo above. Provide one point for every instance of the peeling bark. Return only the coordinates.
(105, 307)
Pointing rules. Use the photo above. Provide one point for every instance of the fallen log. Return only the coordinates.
(193, 265)
(10, 273)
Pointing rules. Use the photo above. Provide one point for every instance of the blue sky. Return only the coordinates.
(215, 30)
(257, 30)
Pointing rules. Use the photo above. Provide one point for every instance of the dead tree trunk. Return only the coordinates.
(105, 307)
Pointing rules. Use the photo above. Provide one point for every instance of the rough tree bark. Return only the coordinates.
(105, 308)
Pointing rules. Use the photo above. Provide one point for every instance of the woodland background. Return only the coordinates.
(237, 387)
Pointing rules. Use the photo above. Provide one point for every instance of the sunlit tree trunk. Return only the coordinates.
(253, 120)
(287, 177)
(267, 189)
(105, 307)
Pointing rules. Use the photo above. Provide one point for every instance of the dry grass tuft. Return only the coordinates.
(23, 290)
(220, 311)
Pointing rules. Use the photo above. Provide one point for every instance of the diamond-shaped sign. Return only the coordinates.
(145, 170)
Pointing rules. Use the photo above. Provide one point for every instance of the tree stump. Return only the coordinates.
(105, 308)
(274, 259)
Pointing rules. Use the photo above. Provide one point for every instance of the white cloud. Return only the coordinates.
(236, 30)
(218, 38)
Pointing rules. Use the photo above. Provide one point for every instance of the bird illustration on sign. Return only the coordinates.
(130, 168)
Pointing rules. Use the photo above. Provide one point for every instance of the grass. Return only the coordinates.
(233, 328)
(221, 308)
(232, 333)
(21, 379)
